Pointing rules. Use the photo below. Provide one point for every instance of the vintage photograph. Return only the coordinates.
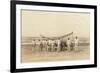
(54, 36)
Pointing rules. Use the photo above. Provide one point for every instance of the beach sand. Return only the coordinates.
(29, 56)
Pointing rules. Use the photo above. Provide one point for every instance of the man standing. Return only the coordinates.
(46, 45)
(58, 44)
(76, 43)
(38, 45)
(68, 44)
(33, 44)
(41, 45)
(52, 44)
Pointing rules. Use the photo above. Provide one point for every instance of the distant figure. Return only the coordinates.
(55, 45)
(62, 45)
(76, 43)
(49, 45)
(38, 44)
(33, 44)
(58, 44)
(68, 44)
(41, 45)
(46, 45)
(52, 45)
(43, 42)
(72, 45)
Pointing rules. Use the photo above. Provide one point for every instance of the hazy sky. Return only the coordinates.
(49, 23)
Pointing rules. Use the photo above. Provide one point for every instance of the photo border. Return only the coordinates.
(13, 35)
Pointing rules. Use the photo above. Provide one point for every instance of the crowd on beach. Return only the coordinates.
(51, 45)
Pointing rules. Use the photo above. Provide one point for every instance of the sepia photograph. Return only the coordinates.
(52, 36)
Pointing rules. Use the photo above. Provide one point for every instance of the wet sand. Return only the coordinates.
(28, 56)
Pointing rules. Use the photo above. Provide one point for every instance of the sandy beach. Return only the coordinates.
(28, 55)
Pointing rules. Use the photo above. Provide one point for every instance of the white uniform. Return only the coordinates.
(76, 44)
(52, 45)
(50, 42)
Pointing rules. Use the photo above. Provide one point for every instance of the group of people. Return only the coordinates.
(55, 45)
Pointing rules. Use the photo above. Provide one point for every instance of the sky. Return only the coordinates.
(48, 23)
